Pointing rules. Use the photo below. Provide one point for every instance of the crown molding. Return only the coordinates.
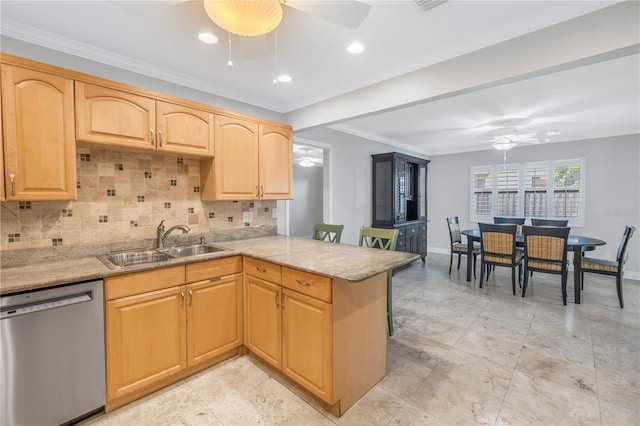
(377, 138)
(86, 51)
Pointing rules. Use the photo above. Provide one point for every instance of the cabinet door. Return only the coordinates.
(263, 320)
(39, 141)
(276, 163)
(307, 343)
(413, 238)
(423, 240)
(383, 198)
(1, 157)
(401, 243)
(113, 117)
(236, 159)
(146, 340)
(214, 318)
(184, 130)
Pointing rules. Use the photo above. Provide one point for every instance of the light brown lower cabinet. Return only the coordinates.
(214, 312)
(160, 329)
(326, 335)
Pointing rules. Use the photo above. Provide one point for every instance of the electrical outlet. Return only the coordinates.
(247, 217)
(274, 212)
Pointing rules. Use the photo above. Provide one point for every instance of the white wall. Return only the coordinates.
(612, 190)
(306, 206)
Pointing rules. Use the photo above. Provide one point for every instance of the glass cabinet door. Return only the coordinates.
(383, 210)
(422, 191)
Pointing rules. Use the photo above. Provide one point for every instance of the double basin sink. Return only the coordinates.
(143, 256)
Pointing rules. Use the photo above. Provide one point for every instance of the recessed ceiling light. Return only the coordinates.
(355, 48)
(284, 78)
(208, 38)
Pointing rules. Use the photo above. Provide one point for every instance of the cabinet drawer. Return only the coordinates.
(142, 282)
(307, 283)
(213, 268)
(261, 269)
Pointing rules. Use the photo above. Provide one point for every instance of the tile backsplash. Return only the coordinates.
(124, 196)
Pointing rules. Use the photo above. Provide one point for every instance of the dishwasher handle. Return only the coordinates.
(44, 305)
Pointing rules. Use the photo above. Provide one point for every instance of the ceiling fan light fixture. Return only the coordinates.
(503, 145)
(306, 162)
(245, 18)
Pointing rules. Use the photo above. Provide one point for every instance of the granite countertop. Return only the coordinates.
(343, 261)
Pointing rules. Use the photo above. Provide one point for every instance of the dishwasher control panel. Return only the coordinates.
(15, 310)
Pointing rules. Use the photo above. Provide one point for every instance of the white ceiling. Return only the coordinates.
(159, 39)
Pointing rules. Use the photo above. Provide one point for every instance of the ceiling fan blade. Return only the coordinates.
(346, 13)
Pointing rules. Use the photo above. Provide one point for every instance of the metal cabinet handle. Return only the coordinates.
(190, 297)
(182, 297)
(153, 138)
(160, 137)
(259, 269)
(261, 191)
(304, 283)
(257, 191)
(277, 297)
(12, 178)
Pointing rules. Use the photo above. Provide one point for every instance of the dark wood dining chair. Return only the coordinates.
(458, 247)
(545, 250)
(550, 222)
(384, 239)
(610, 267)
(327, 232)
(499, 220)
(498, 248)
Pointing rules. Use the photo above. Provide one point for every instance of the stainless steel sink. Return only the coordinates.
(193, 250)
(141, 256)
(138, 257)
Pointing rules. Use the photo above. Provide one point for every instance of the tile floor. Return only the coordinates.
(460, 355)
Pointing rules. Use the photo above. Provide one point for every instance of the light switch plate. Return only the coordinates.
(274, 212)
(247, 217)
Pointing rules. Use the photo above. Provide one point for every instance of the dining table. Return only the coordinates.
(576, 243)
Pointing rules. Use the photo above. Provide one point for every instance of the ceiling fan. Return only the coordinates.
(507, 136)
(307, 156)
(349, 14)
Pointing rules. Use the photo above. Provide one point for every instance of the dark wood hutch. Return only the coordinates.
(400, 199)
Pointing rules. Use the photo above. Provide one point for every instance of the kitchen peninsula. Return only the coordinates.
(313, 311)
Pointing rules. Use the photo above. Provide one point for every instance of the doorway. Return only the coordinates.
(307, 207)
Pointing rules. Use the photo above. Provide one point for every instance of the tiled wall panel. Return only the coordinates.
(124, 196)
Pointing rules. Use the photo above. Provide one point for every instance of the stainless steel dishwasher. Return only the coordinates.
(52, 367)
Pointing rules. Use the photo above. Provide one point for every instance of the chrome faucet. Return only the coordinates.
(162, 235)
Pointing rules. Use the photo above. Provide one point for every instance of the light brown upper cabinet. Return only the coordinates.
(127, 120)
(39, 143)
(1, 157)
(184, 130)
(276, 162)
(252, 161)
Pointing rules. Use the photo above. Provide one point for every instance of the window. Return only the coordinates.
(550, 189)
